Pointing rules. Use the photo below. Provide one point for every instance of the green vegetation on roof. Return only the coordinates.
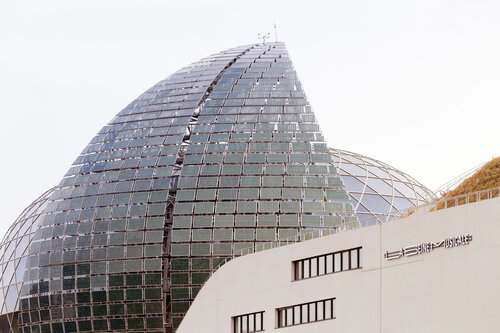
(488, 176)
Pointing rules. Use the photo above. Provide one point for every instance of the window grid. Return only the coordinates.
(306, 313)
(250, 322)
(334, 262)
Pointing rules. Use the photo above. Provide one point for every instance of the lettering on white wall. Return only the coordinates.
(413, 250)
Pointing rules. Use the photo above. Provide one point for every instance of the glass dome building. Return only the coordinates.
(14, 251)
(377, 191)
(221, 156)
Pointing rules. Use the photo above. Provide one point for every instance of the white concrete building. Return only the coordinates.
(452, 287)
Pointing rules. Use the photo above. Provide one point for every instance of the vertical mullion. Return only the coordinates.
(333, 263)
(350, 259)
(359, 260)
(341, 261)
(286, 317)
(324, 310)
(302, 268)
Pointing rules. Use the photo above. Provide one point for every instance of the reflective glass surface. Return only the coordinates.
(14, 252)
(378, 192)
(217, 158)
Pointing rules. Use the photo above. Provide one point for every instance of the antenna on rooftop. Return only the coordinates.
(263, 37)
(275, 31)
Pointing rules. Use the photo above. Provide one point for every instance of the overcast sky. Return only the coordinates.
(412, 83)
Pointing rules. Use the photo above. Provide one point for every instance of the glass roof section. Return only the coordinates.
(14, 253)
(377, 191)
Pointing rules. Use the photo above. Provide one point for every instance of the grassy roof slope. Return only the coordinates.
(486, 177)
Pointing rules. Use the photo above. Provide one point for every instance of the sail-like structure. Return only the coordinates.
(218, 158)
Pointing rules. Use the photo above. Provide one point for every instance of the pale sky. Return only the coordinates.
(412, 83)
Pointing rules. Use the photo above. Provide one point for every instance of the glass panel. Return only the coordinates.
(314, 266)
(337, 262)
(329, 264)
(345, 260)
(321, 265)
(328, 309)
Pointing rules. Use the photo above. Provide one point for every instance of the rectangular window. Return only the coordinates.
(335, 262)
(247, 323)
(306, 313)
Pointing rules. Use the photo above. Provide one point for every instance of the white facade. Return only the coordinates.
(454, 289)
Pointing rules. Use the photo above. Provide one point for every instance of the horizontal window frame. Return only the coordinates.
(282, 321)
(298, 266)
(238, 321)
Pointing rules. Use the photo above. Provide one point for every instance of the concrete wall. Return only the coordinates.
(446, 290)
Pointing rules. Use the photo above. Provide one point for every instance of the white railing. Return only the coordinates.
(457, 180)
(459, 200)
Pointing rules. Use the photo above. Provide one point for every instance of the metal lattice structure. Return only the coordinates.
(14, 254)
(223, 155)
(377, 191)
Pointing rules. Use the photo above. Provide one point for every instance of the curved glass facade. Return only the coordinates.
(377, 191)
(14, 252)
(223, 155)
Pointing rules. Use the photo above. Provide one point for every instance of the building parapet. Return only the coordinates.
(459, 200)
